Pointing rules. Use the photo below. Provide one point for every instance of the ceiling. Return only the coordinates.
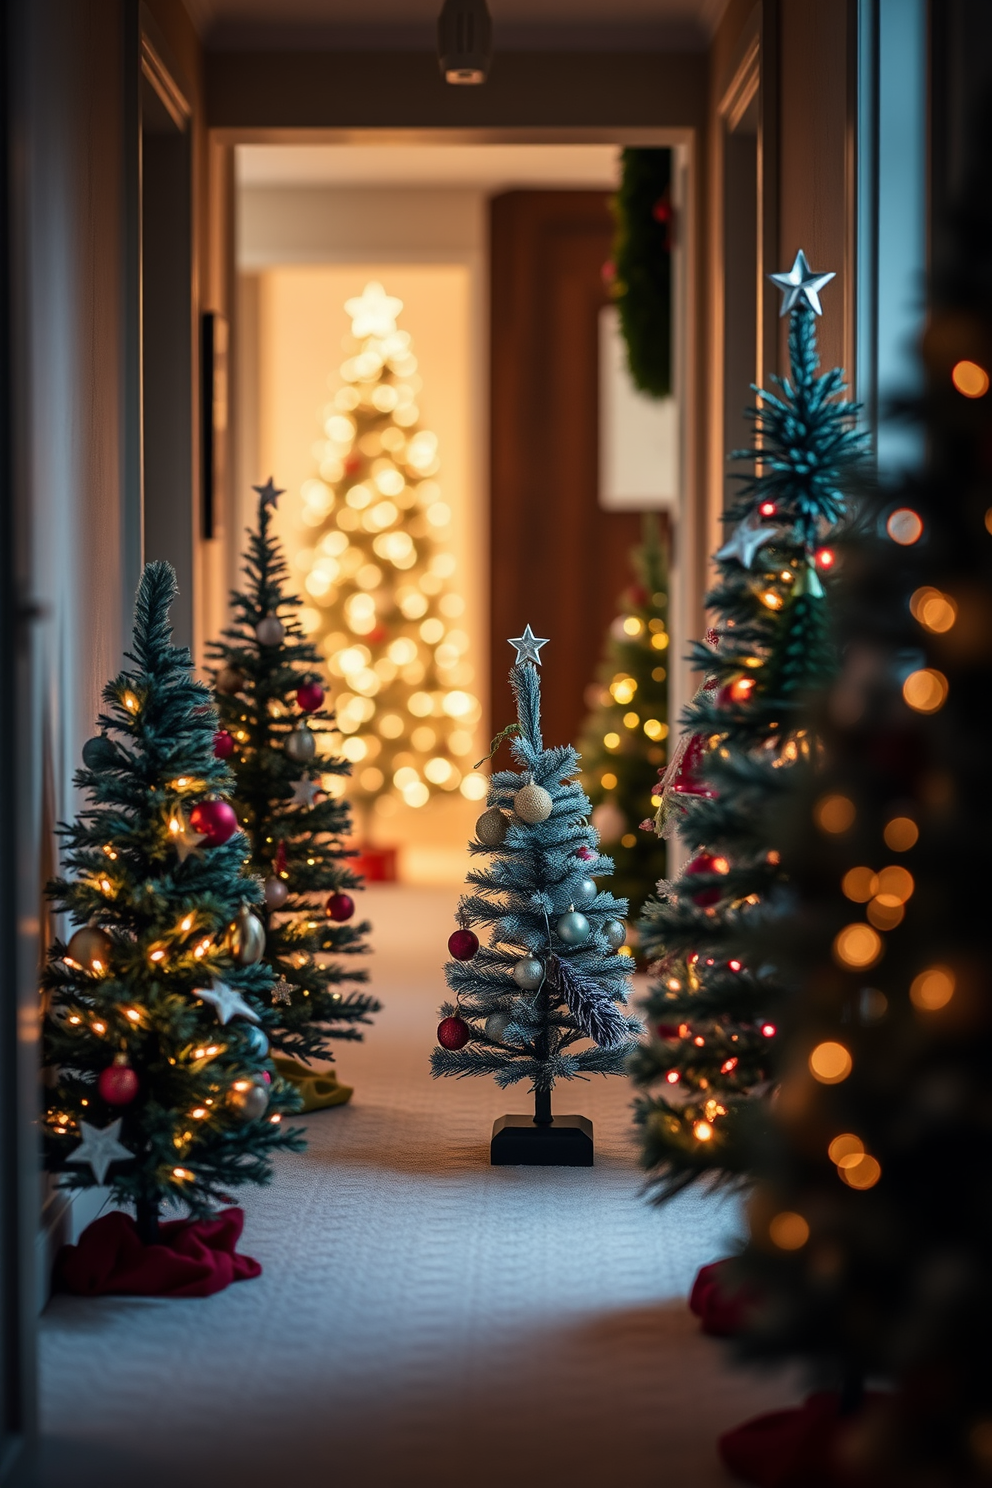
(486, 168)
(411, 24)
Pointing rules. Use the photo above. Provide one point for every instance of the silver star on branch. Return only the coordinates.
(528, 646)
(747, 539)
(801, 283)
(185, 840)
(101, 1146)
(269, 493)
(304, 791)
(228, 1003)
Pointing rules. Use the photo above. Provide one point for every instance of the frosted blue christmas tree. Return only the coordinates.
(544, 1000)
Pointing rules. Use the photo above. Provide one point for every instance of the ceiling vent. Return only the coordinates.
(465, 41)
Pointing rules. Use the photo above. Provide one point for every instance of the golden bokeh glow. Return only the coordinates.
(788, 1230)
(830, 1062)
(834, 814)
(932, 989)
(857, 946)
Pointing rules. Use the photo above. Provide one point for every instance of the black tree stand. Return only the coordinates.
(542, 1141)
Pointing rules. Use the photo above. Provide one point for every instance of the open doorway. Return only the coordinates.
(316, 226)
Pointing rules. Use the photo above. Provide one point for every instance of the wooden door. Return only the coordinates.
(557, 561)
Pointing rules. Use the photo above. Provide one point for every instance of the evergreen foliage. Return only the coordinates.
(571, 1024)
(642, 286)
(380, 577)
(871, 1229)
(160, 917)
(711, 1059)
(299, 845)
(623, 742)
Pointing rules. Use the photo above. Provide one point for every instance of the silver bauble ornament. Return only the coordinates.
(90, 948)
(250, 1104)
(256, 1039)
(270, 631)
(496, 1026)
(491, 827)
(246, 938)
(301, 746)
(616, 933)
(573, 928)
(585, 892)
(528, 973)
(276, 892)
(532, 803)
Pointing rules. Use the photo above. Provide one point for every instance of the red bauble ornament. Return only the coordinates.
(339, 907)
(453, 1033)
(705, 862)
(668, 1031)
(688, 781)
(463, 944)
(215, 819)
(118, 1084)
(310, 696)
(585, 853)
(223, 744)
(736, 692)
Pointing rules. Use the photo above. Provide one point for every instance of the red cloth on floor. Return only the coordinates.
(193, 1258)
(720, 1306)
(797, 1448)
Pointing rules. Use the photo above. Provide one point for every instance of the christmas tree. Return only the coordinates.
(543, 1001)
(711, 1060)
(289, 799)
(870, 1228)
(156, 1030)
(623, 742)
(379, 575)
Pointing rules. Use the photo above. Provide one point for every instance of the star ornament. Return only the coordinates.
(184, 839)
(269, 493)
(801, 283)
(101, 1146)
(747, 539)
(227, 1003)
(305, 792)
(373, 312)
(282, 991)
(528, 646)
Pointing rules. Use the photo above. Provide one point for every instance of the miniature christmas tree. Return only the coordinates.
(379, 575)
(711, 1059)
(289, 797)
(623, 742)
(870, 1227)
(543, 1001)
(156, 1029)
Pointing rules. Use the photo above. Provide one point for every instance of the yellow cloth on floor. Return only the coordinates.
(319, 1088)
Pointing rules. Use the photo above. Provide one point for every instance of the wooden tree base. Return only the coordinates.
(566, 1143)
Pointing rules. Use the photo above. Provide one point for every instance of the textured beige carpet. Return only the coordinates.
(423, 1318)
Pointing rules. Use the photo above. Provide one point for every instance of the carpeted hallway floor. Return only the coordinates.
(422, 1318)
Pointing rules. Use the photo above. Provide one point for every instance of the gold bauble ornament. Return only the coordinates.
(491, 827)
(90, 948)
(246, 938)
(532, 803)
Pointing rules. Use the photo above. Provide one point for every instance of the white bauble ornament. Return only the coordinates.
(496, 1026)
(270, 631)
(609, 821)
(528, 973)
(532, 803)
(276, 892)
(301, 746)
(491, 827)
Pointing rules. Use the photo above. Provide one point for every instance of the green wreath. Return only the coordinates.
(642, 263)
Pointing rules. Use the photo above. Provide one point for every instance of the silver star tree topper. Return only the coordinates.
(747, 539)
(269, 493)
(801, 283)
(227, 1002)
(528, 646)
(101, 1146)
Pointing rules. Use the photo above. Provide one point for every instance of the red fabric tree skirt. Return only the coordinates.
(720, 1307)
(193, 1258)
(811, 1446)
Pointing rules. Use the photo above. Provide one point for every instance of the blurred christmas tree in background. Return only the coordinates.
(381, 606)
(711, 1062)
(622, 745)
